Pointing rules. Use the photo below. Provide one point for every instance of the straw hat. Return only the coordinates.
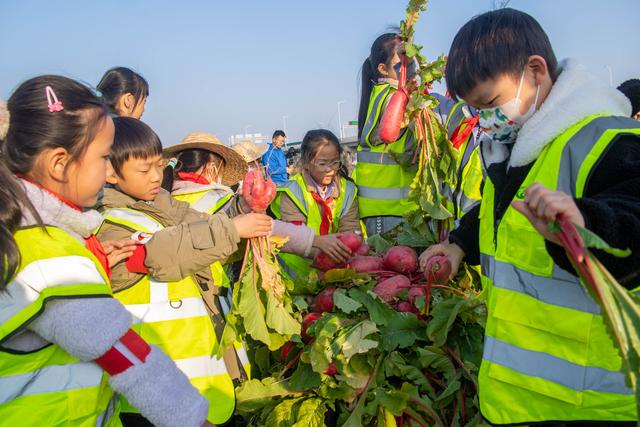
(235, 167)
(249, 150)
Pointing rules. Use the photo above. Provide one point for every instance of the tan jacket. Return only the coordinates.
(291, 213)
(189, 244)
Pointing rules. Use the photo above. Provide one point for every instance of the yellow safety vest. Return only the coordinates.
(174, 317)
(469, 172)
(210, 201)
(547, 354)
(48, 386)
(296, 189)
(383, 184)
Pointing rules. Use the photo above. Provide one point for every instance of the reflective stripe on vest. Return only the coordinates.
(547, 354)
(48, 386)
(207, 201)
(383, 184)
(173, 316)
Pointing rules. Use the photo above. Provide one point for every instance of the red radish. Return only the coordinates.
(307, 321)
(438, 270)
(362, 250)
(365, 264)
(401, 259)
(406, 307)
(391, 123)
(323, 301)
(324, 262)
(258, 191)
(351, 240)
(286, 349)
(415, 293)
(387, 289)
(331, 370)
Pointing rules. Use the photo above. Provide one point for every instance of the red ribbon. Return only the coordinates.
(193, 177)
(327, 215)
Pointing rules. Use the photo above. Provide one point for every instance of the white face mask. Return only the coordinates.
(502, 123)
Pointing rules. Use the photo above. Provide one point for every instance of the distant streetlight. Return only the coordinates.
(246, 128)
(340, 118)
(608, 67)
(284, 129)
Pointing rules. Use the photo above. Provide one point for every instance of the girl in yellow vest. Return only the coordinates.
(167, 284)
(65, 343)
(383, 184)
(321, 196)
(124, 91)
(557, 142)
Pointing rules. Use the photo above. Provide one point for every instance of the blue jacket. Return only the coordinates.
(276, 164)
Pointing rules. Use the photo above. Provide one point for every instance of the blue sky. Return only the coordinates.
(222, 66)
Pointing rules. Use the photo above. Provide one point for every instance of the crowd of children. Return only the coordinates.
(113, 286)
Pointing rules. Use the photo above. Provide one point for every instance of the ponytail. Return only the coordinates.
(365, 93)
(168, 175)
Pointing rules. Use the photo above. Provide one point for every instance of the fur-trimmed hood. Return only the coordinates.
(575, 95)
(55, 212)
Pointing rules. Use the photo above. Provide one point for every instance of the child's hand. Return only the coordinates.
(333, 247)
(453, 252)
(542, 206)
(253, 225)
(118, 250)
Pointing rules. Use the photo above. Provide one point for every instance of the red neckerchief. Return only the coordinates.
(193, 177)
(327, 215)
(458, 138)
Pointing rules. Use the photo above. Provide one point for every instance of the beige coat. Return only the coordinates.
(190, 242)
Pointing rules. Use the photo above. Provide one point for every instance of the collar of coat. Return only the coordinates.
(575, 95)
(55, 212)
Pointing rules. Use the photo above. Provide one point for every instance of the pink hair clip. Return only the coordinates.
(54, 104)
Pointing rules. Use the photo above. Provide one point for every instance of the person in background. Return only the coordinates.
(275, 160)
(61, 330)
(251, 153)
(631, 89)
(124, 91)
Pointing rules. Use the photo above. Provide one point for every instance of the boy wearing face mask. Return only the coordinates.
(555, 142)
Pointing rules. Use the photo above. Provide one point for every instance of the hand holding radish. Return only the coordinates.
(451, 251)
(253, 225)
(542, 206)
(118, 250)
(331, 245)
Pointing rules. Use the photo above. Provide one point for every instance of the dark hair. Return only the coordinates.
(119, 81)
(495, 43)
(382, 51)
(278, 133)
(33, 129)
(631, 89)
(314, 140)
(188, 161)
(132, 139)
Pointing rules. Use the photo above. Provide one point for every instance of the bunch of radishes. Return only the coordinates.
(258, 190)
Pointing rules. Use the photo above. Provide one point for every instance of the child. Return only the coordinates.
(383, 184)
(204, 171)
(251, 153)
(60, 328)
(167, 283)
(556, 142)
(631, 89)
(124, 91)
(321, 196)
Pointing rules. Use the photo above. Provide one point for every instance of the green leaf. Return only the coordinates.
(310, 413)
(279, 318)
(304, 378)
(254, 394)
(443, 316)
(355, 341)
(592, 240)
(300, 303)
(402, 331)
(283, 414)
(379, 244)
(379, 311)
(252, 309)
(345, 303)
